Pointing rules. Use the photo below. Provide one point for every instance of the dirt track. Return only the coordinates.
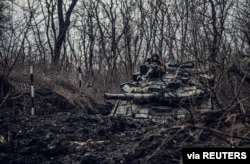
(82, 138)
(71, 138)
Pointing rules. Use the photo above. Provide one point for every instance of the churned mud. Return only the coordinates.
(79, 130)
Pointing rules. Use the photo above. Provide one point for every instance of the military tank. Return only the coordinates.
(163, 94)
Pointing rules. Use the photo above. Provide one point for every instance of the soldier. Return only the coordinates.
(156, 60)
(155, 68)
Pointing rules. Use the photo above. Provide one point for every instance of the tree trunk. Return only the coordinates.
(63, 27)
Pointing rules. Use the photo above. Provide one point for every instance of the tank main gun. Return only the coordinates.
(131, 96)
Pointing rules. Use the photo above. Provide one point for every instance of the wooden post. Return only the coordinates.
(80, 78)
(32, 91)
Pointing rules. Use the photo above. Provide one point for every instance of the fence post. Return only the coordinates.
(80, 78)
(32, 91)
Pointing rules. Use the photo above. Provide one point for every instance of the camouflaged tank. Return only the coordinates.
(163, 94)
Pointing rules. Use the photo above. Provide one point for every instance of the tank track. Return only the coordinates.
(157, 113)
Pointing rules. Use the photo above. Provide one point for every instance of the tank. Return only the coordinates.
(163, 94)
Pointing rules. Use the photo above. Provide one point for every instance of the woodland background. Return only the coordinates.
(109, 38)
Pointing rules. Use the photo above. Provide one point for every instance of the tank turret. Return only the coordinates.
(163, 93)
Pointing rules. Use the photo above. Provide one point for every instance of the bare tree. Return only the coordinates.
(219, 14)
(126, 11)
(110, 10)
(63, 23)
(243, 21)
(3, 59)
(112, 37)
(3, 17)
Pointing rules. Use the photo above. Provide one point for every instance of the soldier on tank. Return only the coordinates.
(155, 59)
(156, 67)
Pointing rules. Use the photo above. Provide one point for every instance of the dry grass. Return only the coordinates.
(65, 82)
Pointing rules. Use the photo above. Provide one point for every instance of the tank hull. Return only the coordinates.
(160, 112)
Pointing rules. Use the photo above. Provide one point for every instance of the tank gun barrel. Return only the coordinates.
(131, 96)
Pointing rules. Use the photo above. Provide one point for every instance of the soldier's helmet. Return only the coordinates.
(155, 56)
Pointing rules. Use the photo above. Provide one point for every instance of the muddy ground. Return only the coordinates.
(81, 131)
